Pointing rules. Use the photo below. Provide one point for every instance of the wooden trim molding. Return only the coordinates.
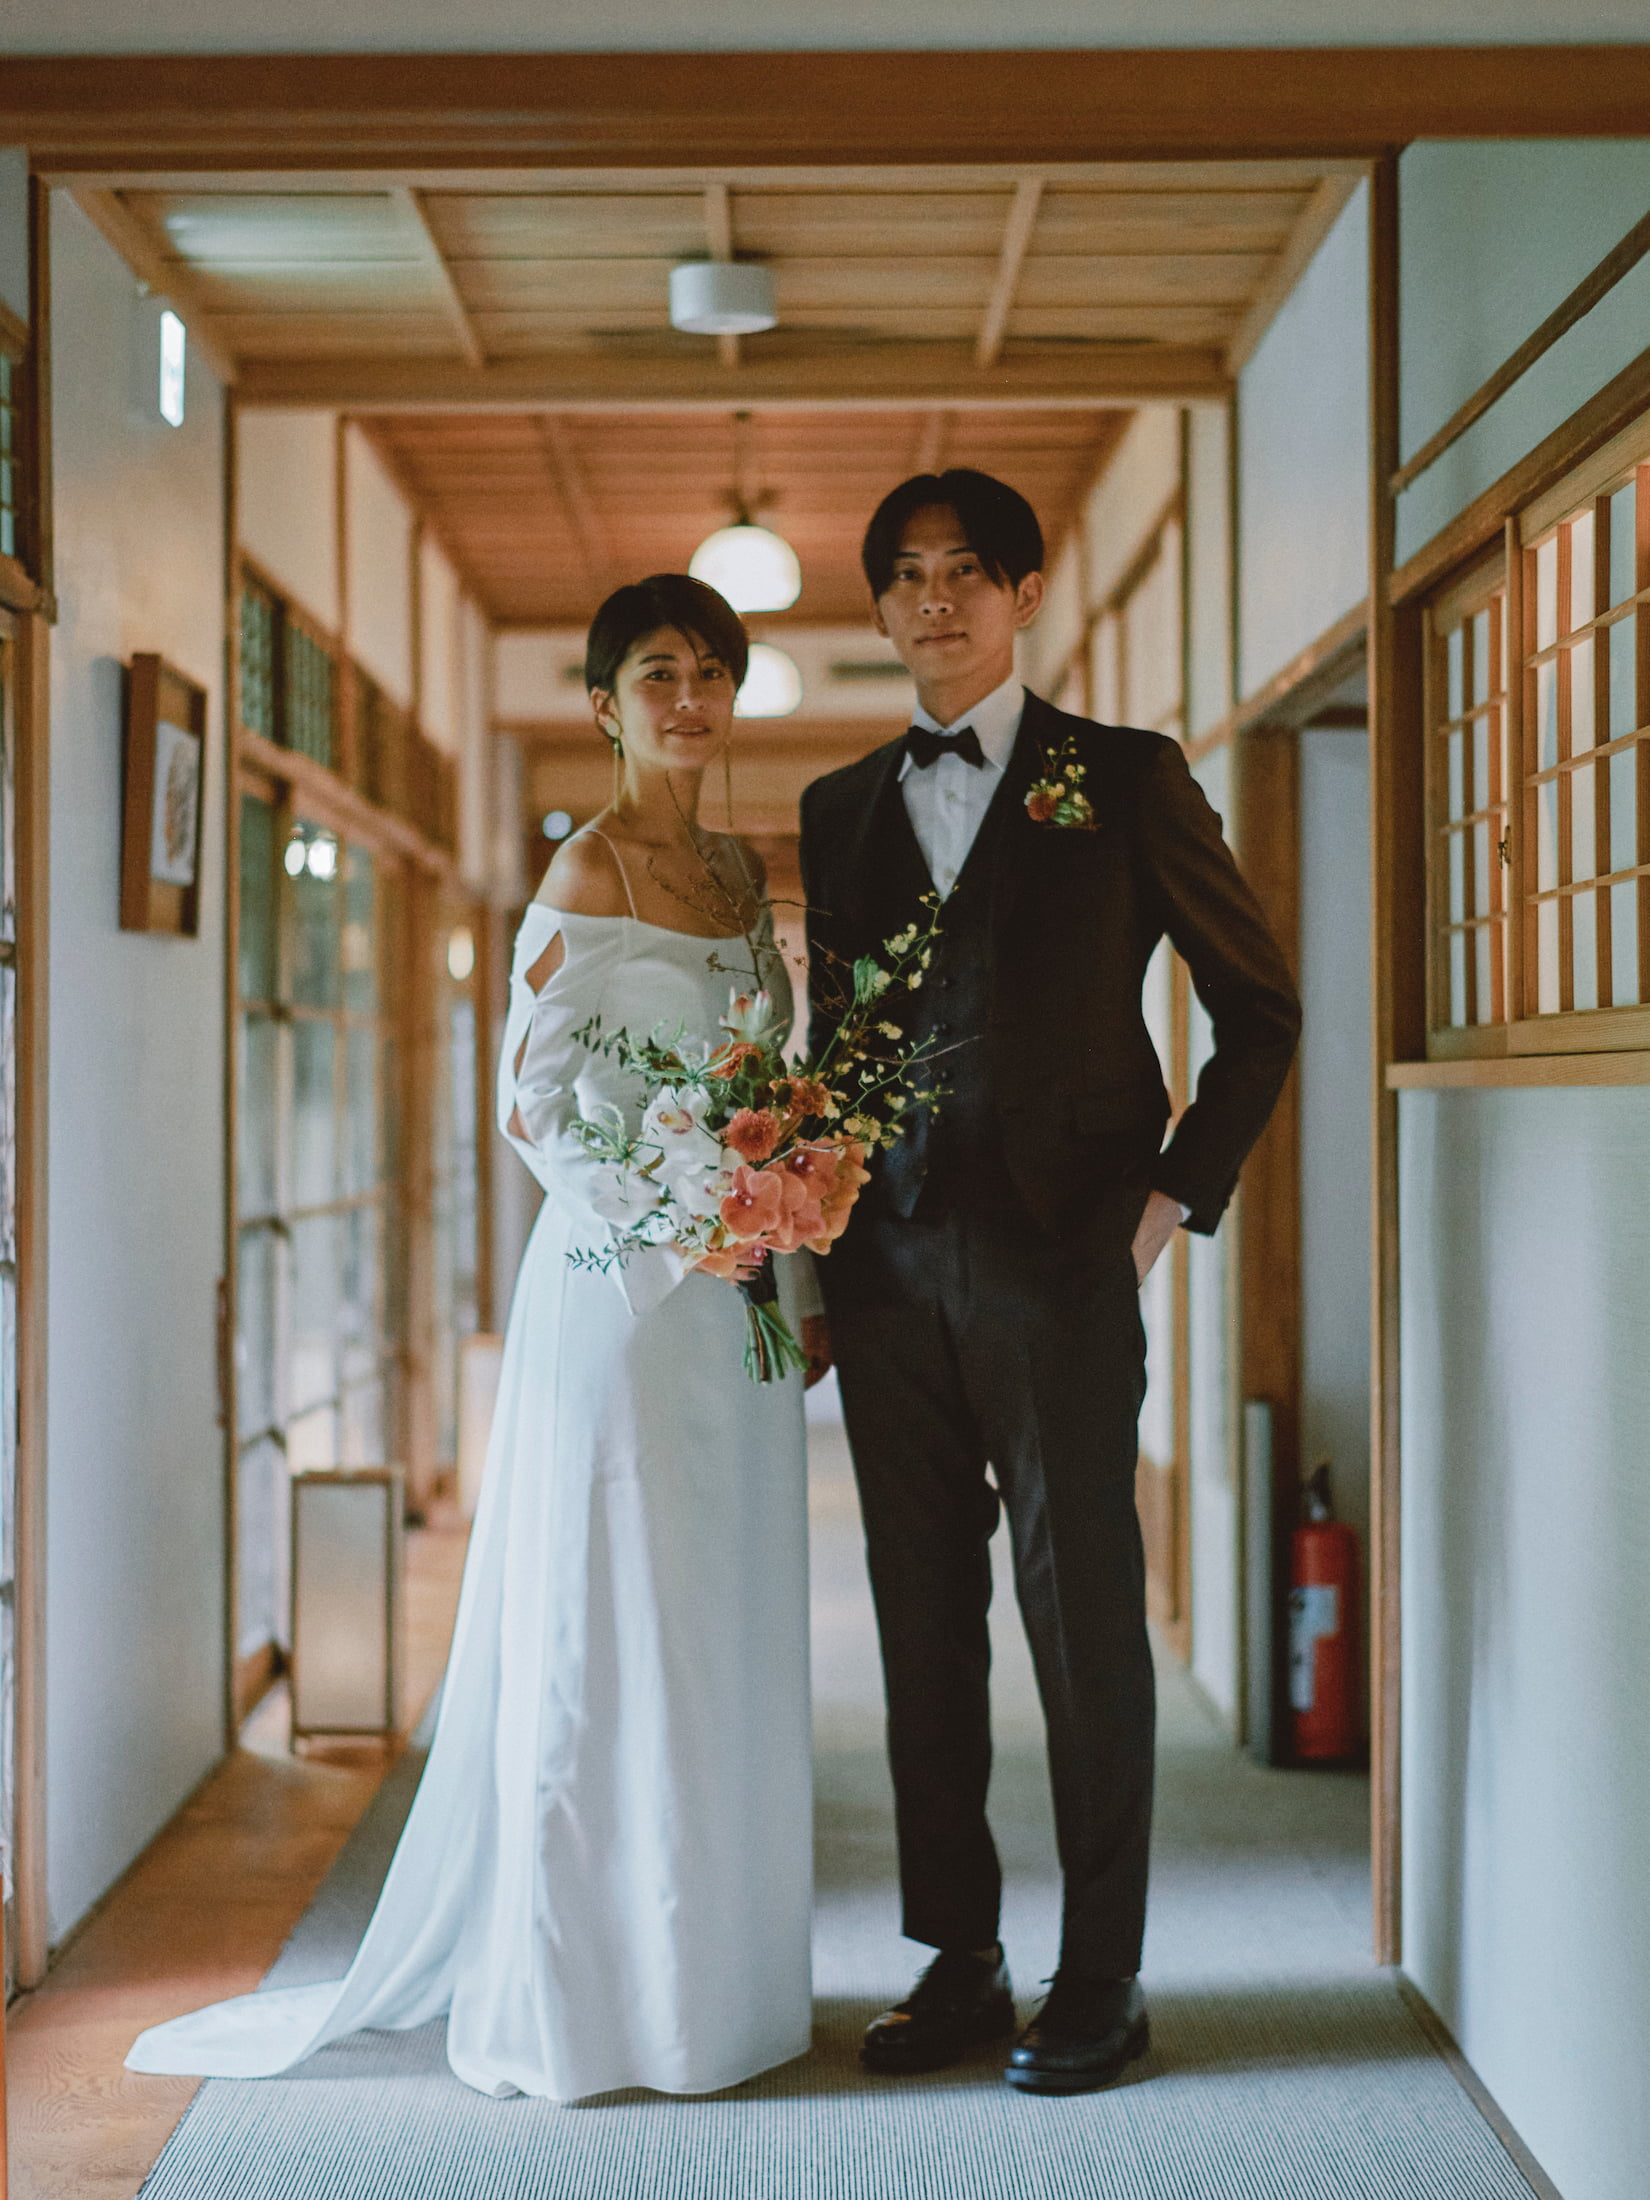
(1298, 689)
(1443, 2040)
(1588, 293)
(284, 111)
(338, 804)
(32, 796)
(1485, 1072)
(1604, 416)
(1397, 988)
(920, 373)
(1319, 216)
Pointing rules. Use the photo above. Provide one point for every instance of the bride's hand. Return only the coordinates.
(816, 1343)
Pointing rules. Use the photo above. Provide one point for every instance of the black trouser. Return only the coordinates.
(970, 1342)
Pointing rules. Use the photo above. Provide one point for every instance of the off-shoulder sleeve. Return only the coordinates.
(539, 1107)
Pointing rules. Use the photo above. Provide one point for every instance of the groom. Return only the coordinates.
(982, 1305)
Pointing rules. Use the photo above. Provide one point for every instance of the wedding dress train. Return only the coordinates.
(606, 1876)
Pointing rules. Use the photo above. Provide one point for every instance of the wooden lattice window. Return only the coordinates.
(1586, 809)
(1468, 786)
(1537, 716)
(288, 675)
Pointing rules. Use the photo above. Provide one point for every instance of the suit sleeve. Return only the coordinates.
(1241, 979)
(823, 961)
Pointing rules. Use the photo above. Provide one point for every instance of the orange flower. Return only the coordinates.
(1041, 804)
(755, 1203)
(753, 1133)
(838, 1202)
(731, 1263)
(732, 1058)
(808, 1096)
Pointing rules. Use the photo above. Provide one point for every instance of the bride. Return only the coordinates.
(606, 1876)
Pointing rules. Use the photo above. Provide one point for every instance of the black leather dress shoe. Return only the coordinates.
(961, 2000)
(1084, 2036)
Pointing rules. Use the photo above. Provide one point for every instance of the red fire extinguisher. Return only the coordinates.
(1323, 1629)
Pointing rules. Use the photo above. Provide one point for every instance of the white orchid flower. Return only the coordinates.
(692, 1168)
(751, 1017)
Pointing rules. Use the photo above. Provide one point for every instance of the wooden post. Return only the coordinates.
(1266, 771)
(1398, 1001)
(228, 1311)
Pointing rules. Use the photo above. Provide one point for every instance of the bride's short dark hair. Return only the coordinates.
(997, 523)
(663, 599)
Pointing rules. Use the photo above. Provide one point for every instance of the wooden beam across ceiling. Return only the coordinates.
(165, 278)
(1022, 219)
(417, 222)
(583, 519)
(894, 373)
(653, 110)
(719, 229)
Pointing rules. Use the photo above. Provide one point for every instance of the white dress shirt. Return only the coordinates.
(947, 802)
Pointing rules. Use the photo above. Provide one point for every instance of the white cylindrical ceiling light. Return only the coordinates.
(755, 569)
(721, 298)
(772, 686)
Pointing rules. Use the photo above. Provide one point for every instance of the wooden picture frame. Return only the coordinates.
(162, 799)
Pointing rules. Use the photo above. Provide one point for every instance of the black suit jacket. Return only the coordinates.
(1075, 917)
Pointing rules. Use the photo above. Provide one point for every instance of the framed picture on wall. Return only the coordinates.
(165, 757)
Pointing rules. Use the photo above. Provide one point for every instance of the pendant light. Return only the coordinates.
(753, 567)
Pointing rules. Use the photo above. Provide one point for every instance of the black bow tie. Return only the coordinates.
(923, 746)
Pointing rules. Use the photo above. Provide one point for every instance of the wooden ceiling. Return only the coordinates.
(507, 335)
(543, 513)
(982, 283)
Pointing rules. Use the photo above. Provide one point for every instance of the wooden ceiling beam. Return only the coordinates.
(416, 221)
(146, 256)
(584, 521)
(1317, 218)
(722, 110)
(928, 451)
(1022, 220)
(876, 377)
(719, 230)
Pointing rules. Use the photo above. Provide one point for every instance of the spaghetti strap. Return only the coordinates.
(596, 833)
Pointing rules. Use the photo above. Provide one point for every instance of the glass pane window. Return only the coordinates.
(11, 456)
(1587, 914)
(318, 1330)
(1468, 810)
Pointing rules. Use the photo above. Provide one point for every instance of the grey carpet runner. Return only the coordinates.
(1284, 2065)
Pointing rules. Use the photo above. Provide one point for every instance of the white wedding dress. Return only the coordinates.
(606, 1876)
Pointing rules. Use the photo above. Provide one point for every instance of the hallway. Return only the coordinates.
(1284, 2065)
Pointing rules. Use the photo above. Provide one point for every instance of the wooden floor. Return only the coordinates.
(202, 1914)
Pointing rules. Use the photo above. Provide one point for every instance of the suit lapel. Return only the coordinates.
(1013, 844)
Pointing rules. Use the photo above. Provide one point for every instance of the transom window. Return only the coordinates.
(1537, 714)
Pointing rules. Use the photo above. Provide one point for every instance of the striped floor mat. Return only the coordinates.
(1284, 2066)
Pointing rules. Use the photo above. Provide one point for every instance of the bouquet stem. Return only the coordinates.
(771, 1352)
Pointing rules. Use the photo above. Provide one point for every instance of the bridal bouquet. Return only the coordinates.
(747, 1155)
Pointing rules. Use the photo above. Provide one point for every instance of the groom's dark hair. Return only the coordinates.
(997, 524)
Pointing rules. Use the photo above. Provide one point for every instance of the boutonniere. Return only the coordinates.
(1058, 798)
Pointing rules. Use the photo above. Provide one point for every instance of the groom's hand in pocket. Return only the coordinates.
(816, 1343)
(1162, 1218)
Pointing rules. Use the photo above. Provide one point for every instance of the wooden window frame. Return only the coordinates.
(1526, 1031)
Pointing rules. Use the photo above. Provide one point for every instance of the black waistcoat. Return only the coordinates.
(953, 1148)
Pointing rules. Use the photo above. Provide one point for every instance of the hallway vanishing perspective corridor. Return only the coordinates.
(1285, 2065)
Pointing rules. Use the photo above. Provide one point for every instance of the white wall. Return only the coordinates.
(135, 1468)
(1334, 1079)
(14, 232)
(440, 696)
(1526, 1550)
(179, 26)
(1303, 474)
(285, 505)
(1209, 667)
(1492, 238)
(378, 538)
